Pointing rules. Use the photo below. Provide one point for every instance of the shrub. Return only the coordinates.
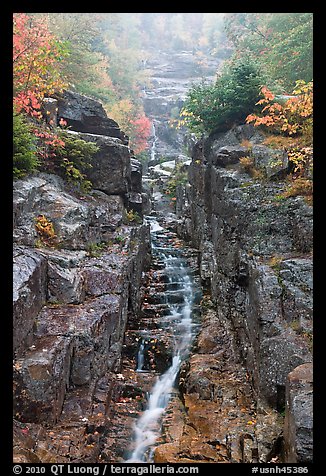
(24, 147)
(70, 157)
(179, 177)
(45, 230)
(96, 249)
(247, 164)
(133, 217)
(219, 106)
(292, 119)
(300, 186)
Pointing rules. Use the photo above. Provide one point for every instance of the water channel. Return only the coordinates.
(179, 321)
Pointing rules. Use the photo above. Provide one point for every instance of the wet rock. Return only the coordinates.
(278, 356)
(25, 194)
(95, 327)
(77, 222)
(103, 279)
(302, 220)
(84, 114)
(65, 285)
(227, 155)
(41, 379)
(296, 276)
(274, 162)
(111, 169)
(29, 293)
(298, 427)
(50, 110)
(255, 258)
(135, 202)
(136, 175)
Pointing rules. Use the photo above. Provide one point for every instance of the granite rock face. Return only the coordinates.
(171, 75)
(74, 295)
(255, 256)
(29, 293)
(299, 407)
(77, 221)
(111, 167)
(84, 114)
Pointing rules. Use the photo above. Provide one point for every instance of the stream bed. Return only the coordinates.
(157, 343)
(176, 320)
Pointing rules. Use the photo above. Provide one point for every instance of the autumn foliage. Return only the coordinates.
(141, 130)
(294, 117)
(36, 58)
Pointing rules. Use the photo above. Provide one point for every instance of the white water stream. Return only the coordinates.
(153, 148)
(148, 426)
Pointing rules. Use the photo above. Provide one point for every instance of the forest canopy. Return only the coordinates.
(102, 55)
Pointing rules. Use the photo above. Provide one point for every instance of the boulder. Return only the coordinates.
(84, 114)
(29, 293)
(41, 379)
(50, 110)
(135, 202)
(274, 162)
(111, 168)
(77, 221)
(298, 426)
(136, 175)
(227, 155)
(278, 356)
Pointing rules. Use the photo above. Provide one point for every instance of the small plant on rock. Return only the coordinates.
(45, 230)
(248, 165)
(95, 249)
(133, 217)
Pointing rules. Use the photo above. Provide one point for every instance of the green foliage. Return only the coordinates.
(282, 43)
(219, 106)
(24, 147)
(72, 159)
(120, 240)
(133, 217)
(179, 177)
(95, 250)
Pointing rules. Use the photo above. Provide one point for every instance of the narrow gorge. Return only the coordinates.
(157, 329)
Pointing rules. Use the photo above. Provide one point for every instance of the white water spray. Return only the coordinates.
(153, 148)
(148, 426)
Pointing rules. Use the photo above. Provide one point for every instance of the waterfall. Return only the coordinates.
(153, 148)
(140, 356)
(148, 426)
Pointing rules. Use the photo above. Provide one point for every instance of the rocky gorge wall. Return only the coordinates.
(255, 259)
(72, 300)
(246, 390)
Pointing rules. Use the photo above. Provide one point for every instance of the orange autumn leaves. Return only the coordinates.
(293, 117)
(36, 58)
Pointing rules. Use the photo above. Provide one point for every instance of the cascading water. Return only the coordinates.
(140, 356)
(153, 148)
(180, 323)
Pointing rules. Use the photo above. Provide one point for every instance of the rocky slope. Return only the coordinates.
(254, 361)
(72, 300)
(245, 393)
(171, 75)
